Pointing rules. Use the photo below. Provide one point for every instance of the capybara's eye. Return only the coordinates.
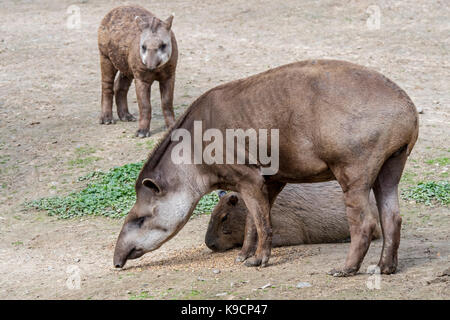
(163, 46)
(144, 47)
(224, 218)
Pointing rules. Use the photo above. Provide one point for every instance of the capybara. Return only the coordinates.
(328, 120)
(301, 214)
(140, 46)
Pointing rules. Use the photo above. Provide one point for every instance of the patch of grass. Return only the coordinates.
(442, 161)
(82, 158)
(429, 193)
(82, 162)
(144, 295)
(193, 293)
(83, 151)
(408, 177)
(207, 203)
(4, 159)
(150, 143)
(109, 194)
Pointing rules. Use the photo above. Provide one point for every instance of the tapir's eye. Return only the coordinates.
(163, 46)
(140, 221)
(144, 47)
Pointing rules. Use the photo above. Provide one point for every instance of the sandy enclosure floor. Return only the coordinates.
(50, 102)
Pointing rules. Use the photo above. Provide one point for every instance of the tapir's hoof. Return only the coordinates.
(143, 133)
(240, 258)
(127, 117)
(253, 262)
(387, 269)
(256, 262)
(342, 273)
(106, 120)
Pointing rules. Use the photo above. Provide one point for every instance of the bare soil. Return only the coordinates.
(50, 103)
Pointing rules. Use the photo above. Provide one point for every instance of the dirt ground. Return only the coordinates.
(50, 102)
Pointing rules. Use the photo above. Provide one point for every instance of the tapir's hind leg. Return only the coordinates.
(121, 86)
(356, 186)
(108, 74)
(386, 193)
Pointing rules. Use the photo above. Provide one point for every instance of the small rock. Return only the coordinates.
(420, 110)
(265, 286)
(201, 279)
(77, 260)
(216, 271)
(303, 285)
(221, 294)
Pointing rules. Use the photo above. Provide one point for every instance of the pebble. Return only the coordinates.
(77, 260)
(216, 271)
(303, 285)
(265, 286)
(221, 294)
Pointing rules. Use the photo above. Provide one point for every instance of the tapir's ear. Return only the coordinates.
(221, 193)
(141, 23)
(151, 184)
(168, 22)
(233, 199)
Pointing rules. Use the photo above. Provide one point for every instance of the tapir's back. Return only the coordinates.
(117, 31)
(325, 110)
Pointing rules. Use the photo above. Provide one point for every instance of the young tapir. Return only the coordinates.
(301, 214)
(336, 121)
(134, 42)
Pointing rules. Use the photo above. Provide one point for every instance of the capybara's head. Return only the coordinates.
(227, 224)
(155, 45)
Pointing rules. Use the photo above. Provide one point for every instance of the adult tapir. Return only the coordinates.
(336, 121)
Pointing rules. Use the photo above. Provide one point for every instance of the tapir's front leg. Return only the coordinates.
(250, 236)
(257, 197)
(250, 240)
(145, 108)
(166, 88)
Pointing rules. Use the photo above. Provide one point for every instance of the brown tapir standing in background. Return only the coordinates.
(336, 121)
(301, 214)
(142, 47)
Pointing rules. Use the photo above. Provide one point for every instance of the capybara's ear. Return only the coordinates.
(233, 200)
(168, 22)
(221, 193)
(141, 23)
